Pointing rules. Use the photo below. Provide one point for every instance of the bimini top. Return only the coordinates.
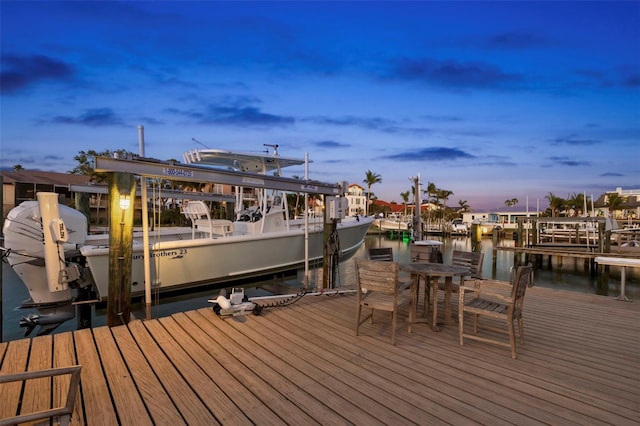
(240, 161)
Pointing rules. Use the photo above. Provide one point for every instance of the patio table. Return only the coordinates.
(431, 273)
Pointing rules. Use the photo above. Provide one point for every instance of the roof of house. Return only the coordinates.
(38, 176)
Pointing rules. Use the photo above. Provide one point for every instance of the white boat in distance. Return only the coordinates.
(394, 222)
(262, 239)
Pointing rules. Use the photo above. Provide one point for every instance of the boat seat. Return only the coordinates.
(198, 213)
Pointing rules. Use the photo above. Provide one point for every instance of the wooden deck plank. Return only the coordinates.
(307, 363)
(3, 349)
(401, 397)
(125, 396)
(98, 408)
(245, 401)
(447, 388)
(161, 408)
(404, 370)
(264, 402)
(64, 356)
(249, 367)
(568, 402)
(223, 408)
(188, 403)
(305, 381)
(483, 373)
(37, 392)
(15, 361)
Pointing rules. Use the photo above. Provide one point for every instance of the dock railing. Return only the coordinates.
(63, 412)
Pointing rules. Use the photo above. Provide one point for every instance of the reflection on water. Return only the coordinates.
(572, 275)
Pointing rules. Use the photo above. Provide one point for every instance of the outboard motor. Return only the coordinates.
(37, 233)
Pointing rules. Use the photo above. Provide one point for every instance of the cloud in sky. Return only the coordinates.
(436, 153)
(517, 40)
(20, 72)
(95, 117)
(568, 161)
(456, 74)
(240, 116)
(331, 144)
(574, 140)
(351, 120)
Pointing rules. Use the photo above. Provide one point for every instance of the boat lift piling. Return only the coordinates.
(122, 189)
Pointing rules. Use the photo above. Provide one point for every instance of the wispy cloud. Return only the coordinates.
(370, 123)
(568, 161)
(517, 40)
(20, 72)
(455, 74)
(96, 117)
(331, 144)
(436, 153)
(235, 111)
(351, 120)
(574, 140)
(442, 118)
(612, 174)
(632, 80)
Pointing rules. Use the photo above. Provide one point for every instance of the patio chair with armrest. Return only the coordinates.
(497, 300)
(381, 253)
(378, 288)
(469, 259)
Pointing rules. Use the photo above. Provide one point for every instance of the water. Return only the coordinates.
(571, 276)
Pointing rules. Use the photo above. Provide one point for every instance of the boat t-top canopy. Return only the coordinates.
(239, 161)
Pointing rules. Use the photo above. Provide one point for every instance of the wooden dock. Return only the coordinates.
(301, 364)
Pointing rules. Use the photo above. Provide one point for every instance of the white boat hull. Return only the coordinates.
(187, 263)
(392, 225)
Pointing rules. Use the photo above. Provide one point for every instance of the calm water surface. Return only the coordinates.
(572, 276)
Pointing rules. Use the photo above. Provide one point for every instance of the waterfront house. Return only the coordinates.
(357, 200)
(627, 209)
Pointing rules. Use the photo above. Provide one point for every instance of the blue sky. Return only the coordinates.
(490, 100)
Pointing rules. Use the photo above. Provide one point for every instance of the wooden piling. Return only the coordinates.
(121, 206)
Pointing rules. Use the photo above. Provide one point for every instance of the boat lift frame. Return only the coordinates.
(148, 167)
(171, 170)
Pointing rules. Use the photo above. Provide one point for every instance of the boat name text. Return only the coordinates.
(169, 171)
(163, 253)
(253, 181)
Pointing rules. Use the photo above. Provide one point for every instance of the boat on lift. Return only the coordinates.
(263, 238)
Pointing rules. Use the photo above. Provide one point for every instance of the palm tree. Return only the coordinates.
(577, 202)
(431, 189)
(464, 206)
(555, 203)
(405, 199)
(371, 179)
(511, 202)
(18, 168)
(445, 194)
(614, 202)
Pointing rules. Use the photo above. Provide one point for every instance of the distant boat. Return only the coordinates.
(458, 227)
(394, 222)
(261, 240)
